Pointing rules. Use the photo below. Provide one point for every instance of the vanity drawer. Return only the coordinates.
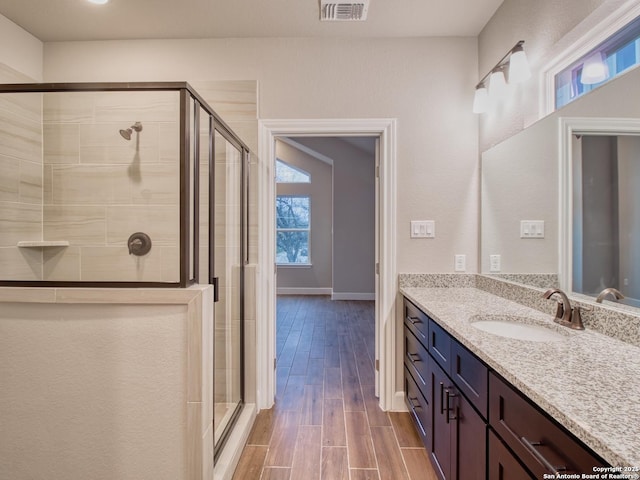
(418, 407)
(416, 359)
(470, 375)
(502, 464)
(417, 321)
(440, 345)
(541, 444)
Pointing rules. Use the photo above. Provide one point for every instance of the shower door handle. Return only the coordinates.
(215, 281)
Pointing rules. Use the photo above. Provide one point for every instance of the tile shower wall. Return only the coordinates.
(100, 188)
(20, 180)
(236, 103)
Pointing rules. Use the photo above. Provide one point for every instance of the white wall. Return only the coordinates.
(426, 83)
(546, 26)
(20, 50)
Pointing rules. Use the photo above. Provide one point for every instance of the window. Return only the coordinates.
(292, 229)
(614, 56)
(286, 173)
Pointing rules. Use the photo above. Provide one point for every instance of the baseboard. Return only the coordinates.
(303, 291)
(399, 404)
(352, 296)
(230, 456)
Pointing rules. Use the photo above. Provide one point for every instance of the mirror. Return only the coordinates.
(521, 182)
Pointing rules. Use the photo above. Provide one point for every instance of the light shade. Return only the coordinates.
(519, 70)
(497, 85)
(481, 100)
(98, 2)
(594, 69)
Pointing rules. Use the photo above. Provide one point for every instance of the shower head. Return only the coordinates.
(126, 134)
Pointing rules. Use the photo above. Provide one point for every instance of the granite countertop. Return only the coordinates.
(588, 382)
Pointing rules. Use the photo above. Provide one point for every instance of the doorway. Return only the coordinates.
(385, 291)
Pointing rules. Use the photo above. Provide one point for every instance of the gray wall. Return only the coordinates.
(353, 213)
(628, 181)
(318, 275)
(599, 210)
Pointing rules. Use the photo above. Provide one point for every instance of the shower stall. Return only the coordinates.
(128, 185)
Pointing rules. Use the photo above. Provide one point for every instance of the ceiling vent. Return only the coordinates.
(332, 11)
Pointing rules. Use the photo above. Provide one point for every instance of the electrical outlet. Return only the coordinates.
(460, 263)
(494, 263)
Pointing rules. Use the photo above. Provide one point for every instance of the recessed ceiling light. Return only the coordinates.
(98, 2)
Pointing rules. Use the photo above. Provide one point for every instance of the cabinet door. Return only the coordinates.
(469, 440)
(542, 445)
(502, 464)
(440, 345)
(440, 451)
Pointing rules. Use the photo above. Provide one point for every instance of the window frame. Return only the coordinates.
(307, 229)
(595, 36)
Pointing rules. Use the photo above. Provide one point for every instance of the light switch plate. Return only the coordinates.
(423, 229)
(532, 229)
(460, 263)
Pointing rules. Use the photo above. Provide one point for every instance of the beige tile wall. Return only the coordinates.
(62, 157)
(236, 103)
(20, 180)
(100, 188)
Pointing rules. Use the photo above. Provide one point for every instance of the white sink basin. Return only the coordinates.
(519, 328)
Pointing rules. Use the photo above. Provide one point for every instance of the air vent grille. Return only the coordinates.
(343, 12)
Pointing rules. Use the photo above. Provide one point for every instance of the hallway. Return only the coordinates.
(326, 423)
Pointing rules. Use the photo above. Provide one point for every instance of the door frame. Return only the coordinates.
(386, 291)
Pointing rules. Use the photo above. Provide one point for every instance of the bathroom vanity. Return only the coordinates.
(489, 406)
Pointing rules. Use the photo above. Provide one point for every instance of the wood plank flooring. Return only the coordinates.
(326, 423)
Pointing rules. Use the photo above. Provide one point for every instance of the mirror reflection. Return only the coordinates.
(520, 183)
(606, 216)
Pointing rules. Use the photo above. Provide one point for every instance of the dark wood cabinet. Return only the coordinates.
(542, 445)
(503, 465)
(451, 429)
(458, 448)
(473, 423)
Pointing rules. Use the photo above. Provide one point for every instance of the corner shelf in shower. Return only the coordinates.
(43, 243)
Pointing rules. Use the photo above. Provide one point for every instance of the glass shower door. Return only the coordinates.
(227, 202)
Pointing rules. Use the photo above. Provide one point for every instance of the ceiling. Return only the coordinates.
(77, 20)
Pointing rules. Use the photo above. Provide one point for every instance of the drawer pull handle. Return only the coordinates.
(414, 320)
(415, 404)
(448, 397)
(441, 398)
(414, 357)
(531, 446)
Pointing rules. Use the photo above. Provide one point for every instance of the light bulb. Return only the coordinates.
(481, 100)
(497, 85)
(594, 69)
(519, 69)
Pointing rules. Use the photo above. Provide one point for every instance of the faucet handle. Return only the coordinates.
(576, 317)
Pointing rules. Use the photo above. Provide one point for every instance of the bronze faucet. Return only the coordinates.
(565, 314)
(609, 291)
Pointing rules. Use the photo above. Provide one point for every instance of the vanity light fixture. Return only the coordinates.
(594, 69)
(518, 71)
(98, 2)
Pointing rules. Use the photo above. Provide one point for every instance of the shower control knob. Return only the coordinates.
(139, 244)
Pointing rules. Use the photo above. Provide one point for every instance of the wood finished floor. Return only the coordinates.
(326, 423)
